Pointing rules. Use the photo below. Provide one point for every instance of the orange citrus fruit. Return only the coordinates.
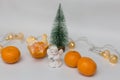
(38, 50)
(71, 58)
(10, 54)
(86, 66)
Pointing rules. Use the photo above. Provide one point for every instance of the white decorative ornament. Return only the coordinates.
(54, 56)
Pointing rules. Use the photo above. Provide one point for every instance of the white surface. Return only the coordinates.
(99, 20)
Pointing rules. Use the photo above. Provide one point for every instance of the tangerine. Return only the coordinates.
(86, 66)
(10, 54)
(71, 58)
(38, 50)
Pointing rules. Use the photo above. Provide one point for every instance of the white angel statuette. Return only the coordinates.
(54, 56)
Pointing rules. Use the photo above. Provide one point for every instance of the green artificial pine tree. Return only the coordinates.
(59, 35)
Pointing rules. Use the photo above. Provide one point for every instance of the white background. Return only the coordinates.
(98, 20)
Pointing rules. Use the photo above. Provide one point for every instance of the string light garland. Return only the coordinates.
(71, 44)
(11, 36)
(14, 36)
(107, 51)
(104, 51)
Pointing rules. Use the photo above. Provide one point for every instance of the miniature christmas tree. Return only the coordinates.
(59, 35)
